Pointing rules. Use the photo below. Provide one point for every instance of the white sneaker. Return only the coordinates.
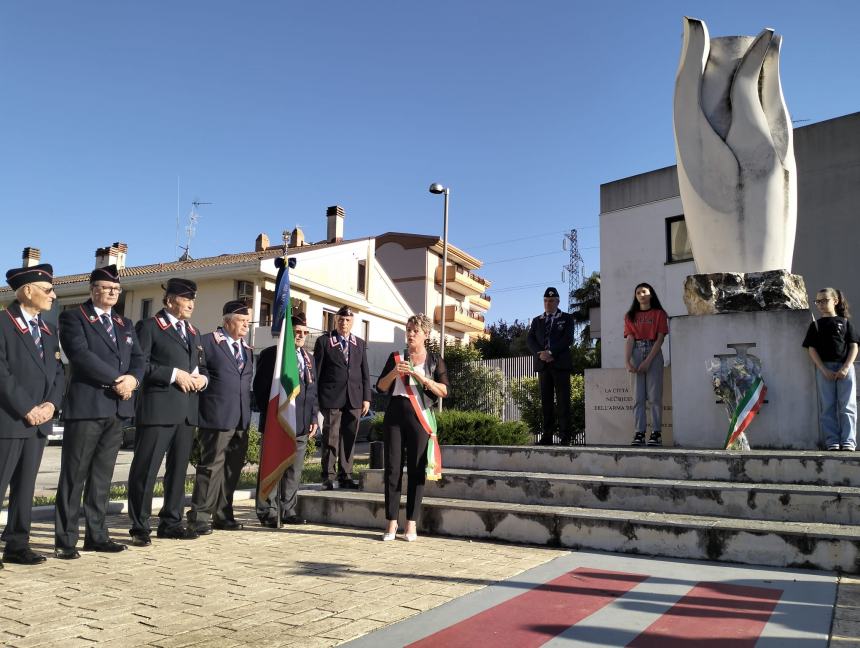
(834, 446)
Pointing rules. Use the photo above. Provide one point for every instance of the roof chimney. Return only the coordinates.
(334, 231)
(297, 238)
(31, 256)
(262, 243)
(113, 254)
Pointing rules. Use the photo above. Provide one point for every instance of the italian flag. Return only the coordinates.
(428, 421)
(279, 440)
(746, 410)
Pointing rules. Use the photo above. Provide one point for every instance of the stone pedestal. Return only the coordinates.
(609, 407)
(789, 418)
(746, 292)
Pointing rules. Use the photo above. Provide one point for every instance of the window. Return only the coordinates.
(361, 281)
(245, 291)
(265, 314)
(677, 242)
(298, 306)
(365, 330)
(145, 308)
(328, 320)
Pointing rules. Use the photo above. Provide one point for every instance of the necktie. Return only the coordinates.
(181, 329)
(108, 326)
(240, 360)
(37, 336)
(547, 330)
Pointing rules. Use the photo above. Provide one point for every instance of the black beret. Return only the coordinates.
(345, 311)
(236, 307)
(551, 292)
(17, 277)
(108, 273)
(181, 288)
(299, 319)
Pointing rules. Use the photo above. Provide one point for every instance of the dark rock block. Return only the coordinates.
(733, 292)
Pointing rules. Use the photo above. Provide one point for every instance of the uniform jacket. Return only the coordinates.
(162, 402)
(340, 385)
(26, 380)
(306, 401)
(96, 362)
(560, 339)
(225, 404)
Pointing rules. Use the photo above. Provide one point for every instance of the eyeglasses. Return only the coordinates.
(300, 332)
(823, 301)
(47, 291)
(108, 289)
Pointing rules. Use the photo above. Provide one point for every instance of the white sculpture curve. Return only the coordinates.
(734, 145)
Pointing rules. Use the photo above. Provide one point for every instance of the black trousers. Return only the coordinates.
(267, 509)
(151, 443)
(402, 434)
(19, 465)
(89, 455)
(221, 461)
(555, 387)
(340, 427)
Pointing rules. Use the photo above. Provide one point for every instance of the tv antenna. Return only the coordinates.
(191, 229)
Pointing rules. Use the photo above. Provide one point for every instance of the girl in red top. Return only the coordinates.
(645, 327)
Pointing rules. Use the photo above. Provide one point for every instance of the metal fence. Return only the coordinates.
(490, 384)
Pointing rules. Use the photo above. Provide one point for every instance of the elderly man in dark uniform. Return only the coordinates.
(343, 384)
(166, 412)
(32, 382)
(225, 415)
(106, 368)
(549, 339)
(306, 424)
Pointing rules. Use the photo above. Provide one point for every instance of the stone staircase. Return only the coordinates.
(778, 508)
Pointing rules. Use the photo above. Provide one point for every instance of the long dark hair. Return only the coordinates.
(841, 303)
(634, 307)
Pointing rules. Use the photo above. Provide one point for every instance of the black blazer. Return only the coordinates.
(225, 404)
(340, 385)
(306, 401)
(26, 380)
(96, 362)
(560, 339)
(160, 402)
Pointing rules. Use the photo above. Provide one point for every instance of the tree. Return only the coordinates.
(586, 297)
(505, 341)
(473, 387)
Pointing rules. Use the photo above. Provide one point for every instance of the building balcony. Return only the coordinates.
(462, 282)
(460, 319)
(480, 302)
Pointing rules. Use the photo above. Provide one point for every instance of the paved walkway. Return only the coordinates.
(318, 586)
(315, 586)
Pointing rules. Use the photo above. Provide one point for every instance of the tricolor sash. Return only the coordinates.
(746, 410)
(426, 417)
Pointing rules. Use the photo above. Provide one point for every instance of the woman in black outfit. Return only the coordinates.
(402, 431)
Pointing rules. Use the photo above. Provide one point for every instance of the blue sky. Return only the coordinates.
(275, 110)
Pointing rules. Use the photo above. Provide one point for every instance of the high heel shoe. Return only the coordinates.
(410, 537)
(388, 537)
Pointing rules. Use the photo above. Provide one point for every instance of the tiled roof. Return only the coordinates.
(194, 264)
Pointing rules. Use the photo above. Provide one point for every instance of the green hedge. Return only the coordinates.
(470, 428)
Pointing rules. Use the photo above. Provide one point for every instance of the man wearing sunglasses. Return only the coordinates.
(107, 367)
(32, 383)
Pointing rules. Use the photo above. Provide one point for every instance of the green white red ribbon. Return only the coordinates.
(427, 419)
(746, 410)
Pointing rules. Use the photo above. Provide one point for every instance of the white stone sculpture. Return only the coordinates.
(733, 140)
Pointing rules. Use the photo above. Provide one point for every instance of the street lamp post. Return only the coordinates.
(436, 188)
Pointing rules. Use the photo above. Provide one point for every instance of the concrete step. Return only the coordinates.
(781, 544)
(757, 466)
(781, 502)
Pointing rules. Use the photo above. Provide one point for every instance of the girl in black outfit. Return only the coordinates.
(401, 428)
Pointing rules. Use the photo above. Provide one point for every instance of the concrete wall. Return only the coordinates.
(828, 213)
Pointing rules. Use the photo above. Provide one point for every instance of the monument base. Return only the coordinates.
(788, 418)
